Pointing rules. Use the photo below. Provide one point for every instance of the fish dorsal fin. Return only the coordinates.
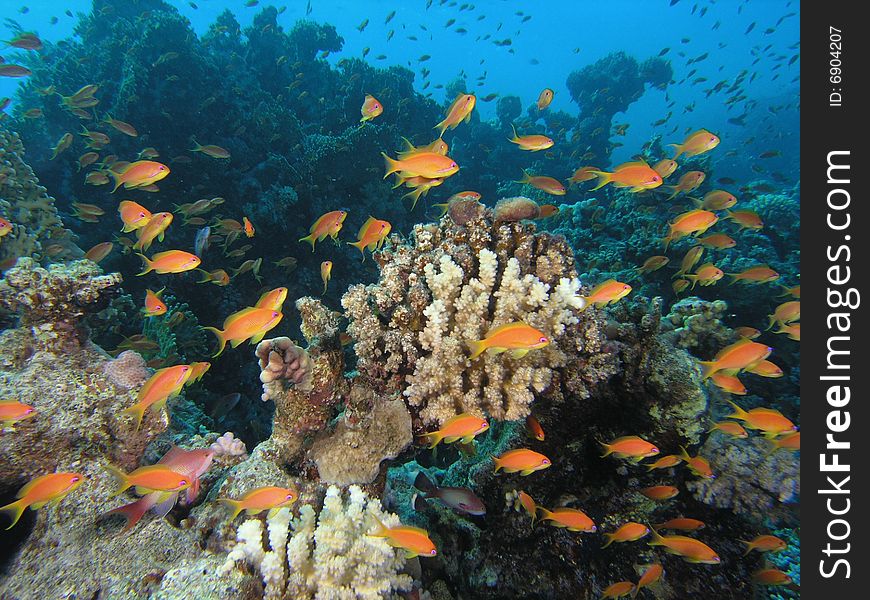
(365, 226)
(502, 328)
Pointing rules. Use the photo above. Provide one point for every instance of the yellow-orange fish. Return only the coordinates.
(544, 98)
(423, 164)
(636, 175)
(328, 224)
(325, 273)
(609, 292)
(210, 150)
(463, 427)
(746, 219)
(134, 215)
(665, 462)
(769, 420)
(660, 492)
(12, 411)
(755, 275)
(459, 111)
(731, 428)
(693, 222)
(517, 338)
(630, 446)
(248, 324)
(665, 167)
(689, 182)
(532, 142)
(371, 108)
(716, 200)
(739, 355)
(651, 575)
(161, 386)
(152, 478)
(619, 589)
(521, 460)
(139, 174)
(630, 532)
(765, 543)
(544, 183)
(569, 518)
(247, 227)
(698, 465)
(696, 143)
(653, 263)
(40, 491)
(273, 299)
(372, 235)
(154, 306)
(707, 274)
(682, 524)
(170, 261)
(262, 498)
(690, 549)
(413, 540)
(728, 383)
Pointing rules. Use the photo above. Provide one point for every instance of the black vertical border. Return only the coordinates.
(829, 126)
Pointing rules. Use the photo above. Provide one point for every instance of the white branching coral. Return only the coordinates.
(454, 282)
(325, 556)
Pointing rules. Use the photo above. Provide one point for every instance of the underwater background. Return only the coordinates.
(586, 244)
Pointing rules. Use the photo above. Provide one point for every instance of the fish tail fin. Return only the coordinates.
(476, 347)
(667, 241)
(222, 341)
(423, 483)
(392, 165)
(433, 438)
(14, 511)
(137, 411)
(310, 239)
(603, 179)
(516, 137)
(698, 202)
(117, 179)
(132, 513)
(147, 266)
(739, 413)
(607, 449)
(441, 127)
(120, 477)
(206, 276)
(610, 537)
(526, 178)
(684, 454)
(545, 514)
(235, 505)
(707, 367)
(749, 546)
(679, 148)
(771, 323)
(497, 462)
(415, 195)
(655, 538)
(381, 528)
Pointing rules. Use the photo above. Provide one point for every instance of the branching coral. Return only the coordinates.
(453, 285)
(327, 556)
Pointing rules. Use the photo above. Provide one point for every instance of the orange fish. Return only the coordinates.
(707, 274)
(665, 462)
(372, 235)
(517, 337)
(325, 273)
(583, 174)
(63, 144)
(248, 324)
(739, 355)
(528, 504)
(423, 164)
(728, 383)
(161, 386)
(413, 540)
(439, 146)
(618, 590)
(548, 210)
(665, 167)
(197, 370)
(769, 420)
(695, 222)
(544, 183)
(653, 263)
(534, 429)
(630, 532)
(785, 313)
(12, 411)
(682, 524)
(765, 543)
(794, 292)
(716, 200)
(121, 126)
(273, 299)
(771, 577)
(660, 492)
(155, 228)
(532, 143)
(133, 215)
(698, 465)
(630, 446)
(462, 428)
(680, 285)
(731, 428)
(170, 261)
(689, 182)
(328, 224)
(636, 175)
(747, 332)
(371, 108)
(717, 241)
(5, 227)
(690, 549)
(697, 143)
(248, 227)
(746, 219)
(609, 292)
(570, 518)
(765, 369)
(458, 112)
(154, 306)
(544, 98)
(793, 331)
(755, 275)
(652, 575)
(139, 174)
(99, 251)
(690, 260)
(262, 498)
(210, 150)
(152, 478)
(40, 491)
(788, 441)
(523, 460)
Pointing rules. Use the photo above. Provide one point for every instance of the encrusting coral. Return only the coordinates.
(327, 555)
(452, 285)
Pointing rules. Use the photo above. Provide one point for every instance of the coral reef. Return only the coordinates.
(453, 284)
(750, 481)
(229, 445)
(325, 554)
(37, 230)
(697, 325)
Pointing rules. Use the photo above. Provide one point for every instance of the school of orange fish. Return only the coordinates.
(420, 169)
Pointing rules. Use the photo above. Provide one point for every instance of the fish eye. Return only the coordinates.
(546, 461)
(433, 552)
(182, 482)
(75, 479)
(289, 497)
(543, 339)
